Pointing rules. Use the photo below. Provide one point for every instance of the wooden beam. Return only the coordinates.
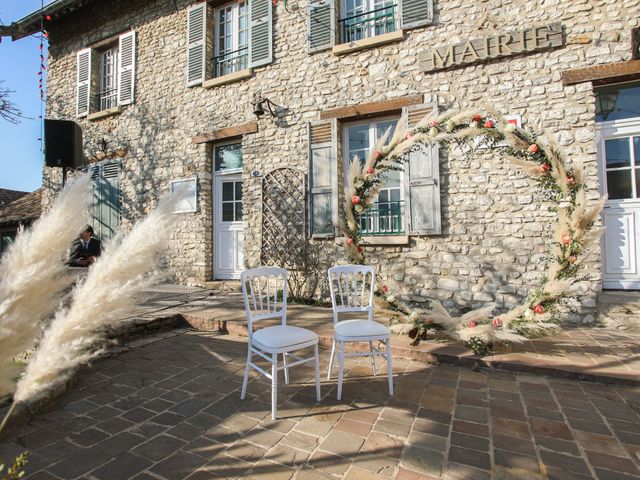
(223, 133)
(364, 109)
(603, 74)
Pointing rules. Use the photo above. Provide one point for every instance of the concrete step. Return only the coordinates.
(619, 297)
(221, 286)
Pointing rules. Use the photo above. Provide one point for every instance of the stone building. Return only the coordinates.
(167, 93)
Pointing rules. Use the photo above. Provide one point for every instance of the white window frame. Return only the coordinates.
(370, 5)
(346, 160)
(114, 53)
(235, 33)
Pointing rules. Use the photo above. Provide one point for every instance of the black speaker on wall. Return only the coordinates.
(62, 144)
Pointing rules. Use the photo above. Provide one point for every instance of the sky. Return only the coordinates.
(21, 156)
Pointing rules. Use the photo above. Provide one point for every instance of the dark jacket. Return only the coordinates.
(78, 252)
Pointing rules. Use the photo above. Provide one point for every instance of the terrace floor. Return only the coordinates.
(169, 408)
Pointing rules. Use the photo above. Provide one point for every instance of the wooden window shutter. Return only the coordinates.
(126, 68)
(105, 205)
(415, 13)
(196, 43)
(260, 33)
(83, 82)
(423, 188)
(320, 24)
(323, 178)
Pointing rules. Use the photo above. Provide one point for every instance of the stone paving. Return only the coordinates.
(171, 410)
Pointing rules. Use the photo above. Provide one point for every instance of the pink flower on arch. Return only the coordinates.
(355, 199)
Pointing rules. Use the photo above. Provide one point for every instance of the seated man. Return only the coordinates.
(85, 249)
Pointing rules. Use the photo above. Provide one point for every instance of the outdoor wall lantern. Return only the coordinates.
(259, 102)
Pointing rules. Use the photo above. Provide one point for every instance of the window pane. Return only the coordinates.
(636, 149)
(395, 194)
(238, 190)
(228, 156)
(383, 196)
(382, 127)
(392, 179)
(238, 211)
(616, 103)
(619, 184)
(227, 191)
(358, 137)
(227, 212)
(617, 152)
(638, 183)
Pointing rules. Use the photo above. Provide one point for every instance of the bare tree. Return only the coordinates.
(8, 109)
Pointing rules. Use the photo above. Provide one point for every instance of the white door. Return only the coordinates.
(228, 258)
(619, 160)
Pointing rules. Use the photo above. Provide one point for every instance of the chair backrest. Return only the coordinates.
(261, 289)
(352, 289)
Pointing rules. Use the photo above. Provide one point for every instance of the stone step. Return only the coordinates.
(618, 297)
(221, 286)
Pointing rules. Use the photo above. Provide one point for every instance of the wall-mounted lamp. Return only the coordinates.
(259, 102)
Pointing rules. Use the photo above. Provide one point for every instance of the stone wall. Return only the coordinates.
(495, 226)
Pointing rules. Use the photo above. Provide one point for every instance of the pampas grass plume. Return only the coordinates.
(103, 300)
(33, 274)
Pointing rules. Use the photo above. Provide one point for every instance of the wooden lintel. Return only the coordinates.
(371, 108)
(603, 74)
(229, 132)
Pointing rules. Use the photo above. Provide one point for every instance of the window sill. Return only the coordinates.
(386, 240)
(110, 112)
(345, 48)
(232, 77)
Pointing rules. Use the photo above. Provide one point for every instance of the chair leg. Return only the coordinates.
(333, 352)
(286, 369)
(340, 368)
(246, 373)
(373, 359)
(315, 352)
(389, 367)
(274, 385)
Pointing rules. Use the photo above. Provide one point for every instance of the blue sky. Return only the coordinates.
(21, 157)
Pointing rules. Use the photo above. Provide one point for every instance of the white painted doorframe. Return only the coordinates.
(620, 217)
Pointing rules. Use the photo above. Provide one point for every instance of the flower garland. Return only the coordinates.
(572, 236)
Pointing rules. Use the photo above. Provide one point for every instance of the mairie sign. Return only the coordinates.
(492, 46)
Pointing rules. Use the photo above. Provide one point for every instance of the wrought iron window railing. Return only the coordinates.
(384, 218)
(231, 62)
(368, 24)
(107, 99)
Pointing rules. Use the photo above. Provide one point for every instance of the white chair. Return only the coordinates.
(352, 289)
(260, 289)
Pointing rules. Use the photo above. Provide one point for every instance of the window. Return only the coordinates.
(618, 102)
(386, 216)
(366, 18)
(239, 32)
(105, 77)
(622, 165)
(360, 19)
(232, 201)
(108, 95)
(232, 39)
(228, 157)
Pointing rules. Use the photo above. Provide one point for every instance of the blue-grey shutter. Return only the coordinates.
(260, 33)
(126, 68)
(320, 24)
(323, 173)
(105, 205)
(422, 190)
(83, 82)
(196, 43)
(415, 13)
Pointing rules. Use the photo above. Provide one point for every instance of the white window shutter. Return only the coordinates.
(196, 43)
(260, 33)
(83, 82)
(320, 24)
(415, 13)
(126, 68)
(422, 190)
(323, 178)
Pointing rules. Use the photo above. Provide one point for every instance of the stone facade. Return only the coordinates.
(494, 224)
